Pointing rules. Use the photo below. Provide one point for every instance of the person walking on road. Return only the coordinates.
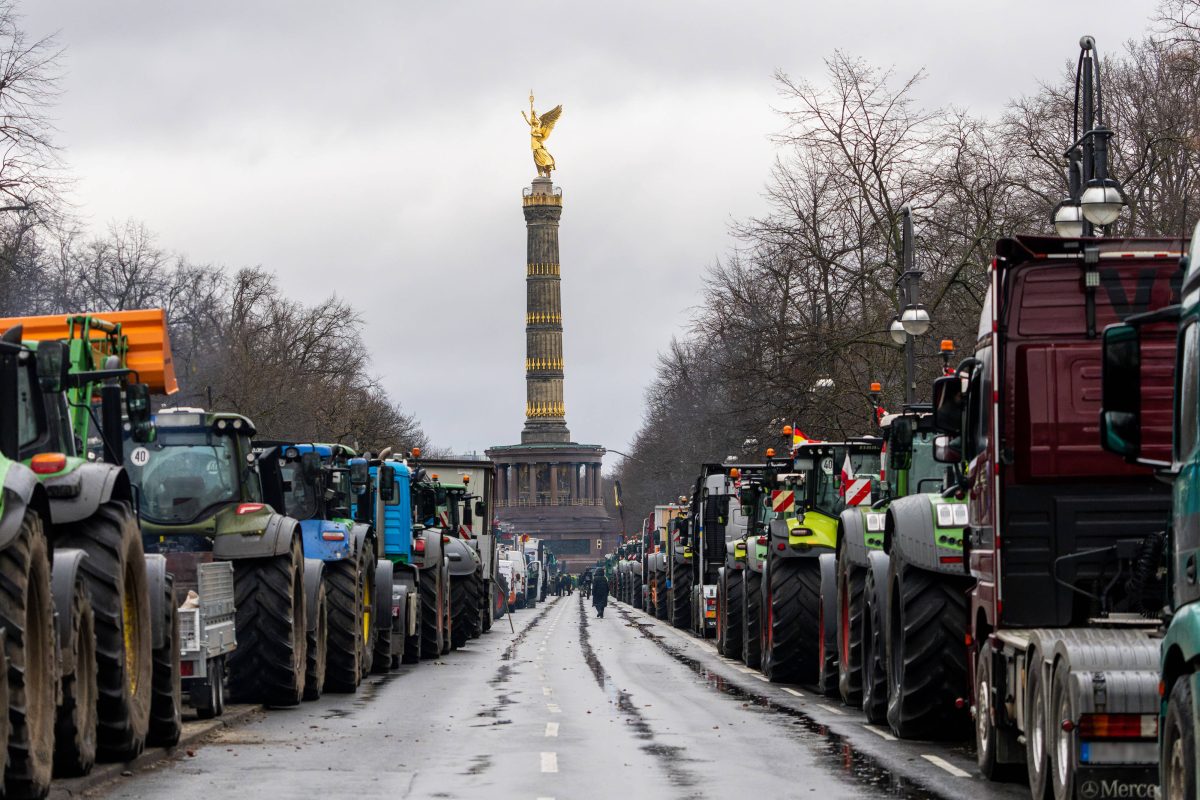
(600, 593)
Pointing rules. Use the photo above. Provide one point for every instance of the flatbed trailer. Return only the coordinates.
(207, 634)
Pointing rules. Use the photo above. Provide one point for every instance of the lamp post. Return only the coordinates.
(1094, 199)
(913, 320)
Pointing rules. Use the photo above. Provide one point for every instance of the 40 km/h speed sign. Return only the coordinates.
(783, 501)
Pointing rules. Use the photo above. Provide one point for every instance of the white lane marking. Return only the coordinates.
(549, 762)
(552, 729)
(880, 732)
(553, 708)
(831, 709)
(746, 670)
(763, 678)
(546, 690)
(946, 765)
(792, 692)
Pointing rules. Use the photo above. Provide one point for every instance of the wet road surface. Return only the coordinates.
(568, 706)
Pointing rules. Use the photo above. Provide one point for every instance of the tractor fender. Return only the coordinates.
(158, 579)
(404, 598)
(910, 534)
(314, 573)
(384, 572)
(360, 535)
(852, 537)
(878, 563)
(22, 490)
(275, 540)
(731, 560)
(463, 559)
(64, 577)
(77, 494)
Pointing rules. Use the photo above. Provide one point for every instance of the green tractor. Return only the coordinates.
(124, 618)
(798, 595)
(204, 494)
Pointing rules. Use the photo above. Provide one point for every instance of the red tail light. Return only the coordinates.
(249, 508)
(185, 668)
(1118, 726)
(762, 540)
(419, 546)
(48, 463)
(333, 536)
(950, 559)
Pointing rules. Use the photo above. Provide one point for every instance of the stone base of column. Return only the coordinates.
(545, 431)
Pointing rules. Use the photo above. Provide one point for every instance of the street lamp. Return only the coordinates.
(1093, 197)
(914, 318)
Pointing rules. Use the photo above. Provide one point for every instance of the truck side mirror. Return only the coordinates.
(947, 450)
(948, 404)
(1121, 399)
(310, 466)
(51, 366)
(137, 408)
(360, 473)
(387, 482)
(480, 509)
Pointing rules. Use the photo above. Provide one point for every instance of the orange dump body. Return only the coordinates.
(144, 331)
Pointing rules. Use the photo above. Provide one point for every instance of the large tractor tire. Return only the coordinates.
(476, 601)
(827, 647)
(460, 608)
(166, 716)
(316, 659)
(661, 608)
(27, 616)
(432, 632)
(751, 619)
(383, 655)
(411, 652)
(874, 643)
(639, 595)
(791, 630)
(368, 629)
(344, 594)
(681, 596)
(271, 658)
(850, 584)
(926, 656)
(115, 574)
(75, 728)
(729, 614)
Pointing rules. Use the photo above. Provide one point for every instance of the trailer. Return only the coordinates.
(207, 635)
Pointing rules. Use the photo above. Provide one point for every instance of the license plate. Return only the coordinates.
(1118, 752)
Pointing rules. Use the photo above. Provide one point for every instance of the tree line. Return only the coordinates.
(240, 344)
(792, 326)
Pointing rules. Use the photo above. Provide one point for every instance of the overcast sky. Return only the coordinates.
(376, 150)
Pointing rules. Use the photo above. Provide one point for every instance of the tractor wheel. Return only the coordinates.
(681, 596)
(343, 670)
(874, 668)
(1179, 743)
(431, 612)
(792, 630)
(115, 573)
(638, 595)
(851, 581)
(166, 717)
(412, 644)
(75, 729)
(827, 647)
(316, 660)
(271, 658)
(729, 615)
(27, 615)
(660, 595)
(751, 618)
(475, 589)
(926, 657)
(460, 609)
(366, 655)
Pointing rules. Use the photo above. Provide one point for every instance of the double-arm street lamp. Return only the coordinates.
(1095, 198)
(913, 320)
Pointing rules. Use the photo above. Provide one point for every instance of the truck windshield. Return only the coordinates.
(183, 474)
(300, 498)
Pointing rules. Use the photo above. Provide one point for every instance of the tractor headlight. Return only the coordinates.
(875, 523)
(951, 515)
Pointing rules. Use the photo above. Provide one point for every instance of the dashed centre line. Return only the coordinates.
(551, 729)
(549, 762)
(793, 692)
(880, 732)
(831, 709)
(946, 765)
(553, 708)
(546, 690)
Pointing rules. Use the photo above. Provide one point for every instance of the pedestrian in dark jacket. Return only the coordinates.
(600, 593)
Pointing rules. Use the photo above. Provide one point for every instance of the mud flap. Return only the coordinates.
(156, 578)
(63, 576)
(314, 573)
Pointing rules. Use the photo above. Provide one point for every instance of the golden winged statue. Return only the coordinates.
(539, 132)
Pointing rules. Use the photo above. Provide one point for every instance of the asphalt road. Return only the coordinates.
(569, 706)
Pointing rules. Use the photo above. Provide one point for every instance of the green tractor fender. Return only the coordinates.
(860, 530)
(912, 533)
(1181, 647)
(278, 533)
(22, 491)
(77, 493)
